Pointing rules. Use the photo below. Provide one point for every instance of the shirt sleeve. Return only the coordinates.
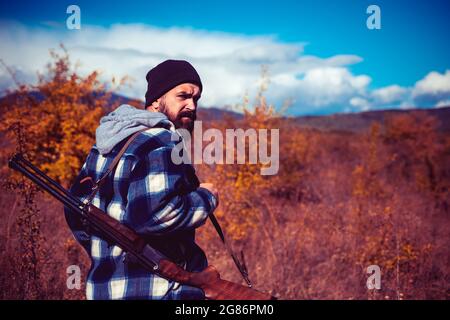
(164, 197)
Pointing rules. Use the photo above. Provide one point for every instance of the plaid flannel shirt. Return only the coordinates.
(159, 200)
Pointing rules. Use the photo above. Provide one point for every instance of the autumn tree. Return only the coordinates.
(53, 124)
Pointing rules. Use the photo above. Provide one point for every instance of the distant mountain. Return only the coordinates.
(351, 122)
(357, 122)
(214, 113)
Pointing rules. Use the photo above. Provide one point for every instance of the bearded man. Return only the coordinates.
(161, 201)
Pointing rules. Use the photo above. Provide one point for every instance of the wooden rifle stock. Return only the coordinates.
(212, 285)
(208, 280)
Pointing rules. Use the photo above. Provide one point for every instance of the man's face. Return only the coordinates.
(180, 105)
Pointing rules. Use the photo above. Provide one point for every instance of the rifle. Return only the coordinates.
(134, 245)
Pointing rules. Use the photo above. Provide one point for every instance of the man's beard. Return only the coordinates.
(185, 119)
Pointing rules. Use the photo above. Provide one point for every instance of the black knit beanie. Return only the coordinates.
(167, 75)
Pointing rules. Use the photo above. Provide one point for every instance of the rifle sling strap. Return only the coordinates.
(241, 266)
(96, 186)
(112, 166)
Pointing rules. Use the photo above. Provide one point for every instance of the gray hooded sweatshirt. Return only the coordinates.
(122, 123)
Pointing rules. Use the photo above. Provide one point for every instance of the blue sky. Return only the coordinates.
(412, 45)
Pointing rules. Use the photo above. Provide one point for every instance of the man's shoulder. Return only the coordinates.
(152, 139)
(144, 143)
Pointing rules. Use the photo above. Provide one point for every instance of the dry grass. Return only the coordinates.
(340, 202)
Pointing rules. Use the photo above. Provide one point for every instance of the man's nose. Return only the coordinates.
(192, 105)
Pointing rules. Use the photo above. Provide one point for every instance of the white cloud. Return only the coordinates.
(325, 86)
(319, 87)
(389, 94)
(360, 103)
(434, 83)
(443, 103)
(431, 91)
(229, 64)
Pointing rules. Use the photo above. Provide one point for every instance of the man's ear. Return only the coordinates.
(154, 106)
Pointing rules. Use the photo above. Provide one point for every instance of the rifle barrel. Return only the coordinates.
(70, 202)
(76, 206)
(19, 158)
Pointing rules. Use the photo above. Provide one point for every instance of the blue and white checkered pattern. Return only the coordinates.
(156, 198)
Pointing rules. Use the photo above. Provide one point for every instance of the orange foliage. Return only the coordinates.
(56, 119)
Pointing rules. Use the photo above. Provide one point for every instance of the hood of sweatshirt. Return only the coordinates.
(123, 122)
